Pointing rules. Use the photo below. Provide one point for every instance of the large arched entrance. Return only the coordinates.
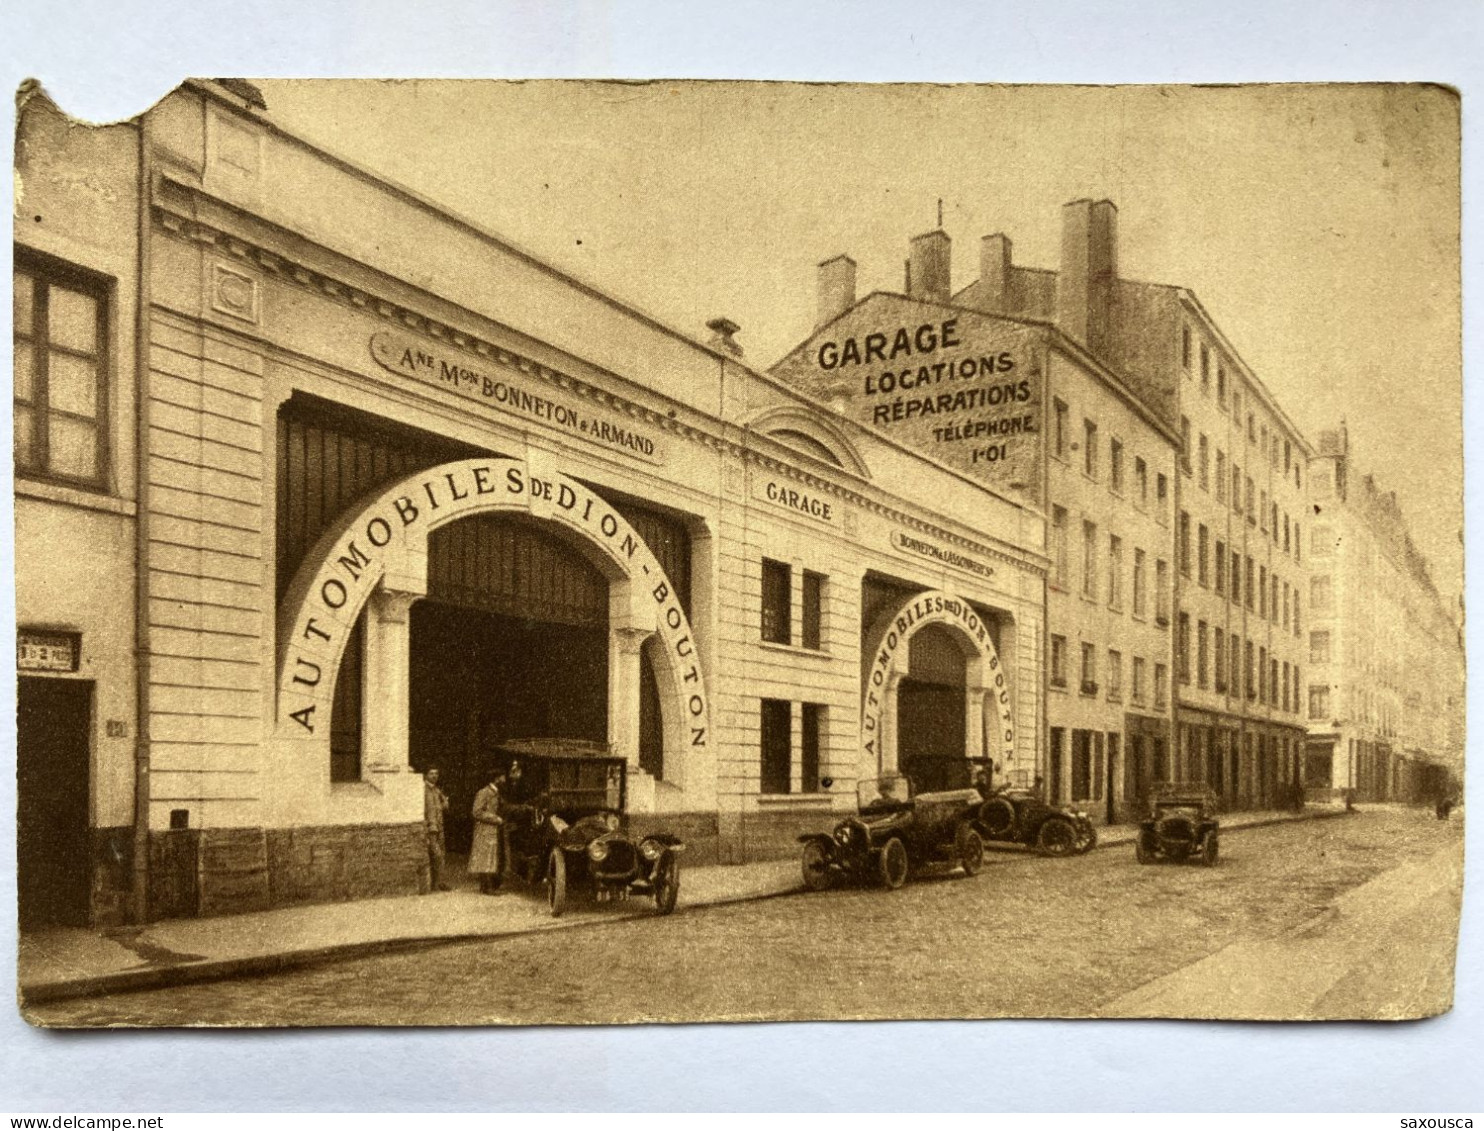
(933, 685)
(480, 601)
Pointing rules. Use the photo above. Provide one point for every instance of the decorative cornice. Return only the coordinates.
(177, 222)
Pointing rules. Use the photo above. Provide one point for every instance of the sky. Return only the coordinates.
(1319, 225)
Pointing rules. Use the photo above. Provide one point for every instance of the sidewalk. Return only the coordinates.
(80, 962)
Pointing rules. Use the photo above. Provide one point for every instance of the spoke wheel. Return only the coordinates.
(998, 818)
(556, 882)
(1142, 854)
(666, 883)
(894, 863)
(817, 874)
(970, 848)
(1057, 837)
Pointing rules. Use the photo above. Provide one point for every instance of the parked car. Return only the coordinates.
(1181, 826)
(896, 831)
(566, 827)
(1017, 815)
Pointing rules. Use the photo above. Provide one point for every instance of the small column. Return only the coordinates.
(385, 682)
(888, 746)
(624, 646)
(974, 699)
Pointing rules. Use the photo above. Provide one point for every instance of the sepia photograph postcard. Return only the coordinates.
(604, 552)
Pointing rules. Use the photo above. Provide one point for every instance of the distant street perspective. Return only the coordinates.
(1344, 916)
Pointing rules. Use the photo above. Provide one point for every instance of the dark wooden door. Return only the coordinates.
(52, 851)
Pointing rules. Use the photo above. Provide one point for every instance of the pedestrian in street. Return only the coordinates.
(435, 805)
(486, 853)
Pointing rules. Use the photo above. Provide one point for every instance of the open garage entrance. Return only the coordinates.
(930, 698)
(511, 642)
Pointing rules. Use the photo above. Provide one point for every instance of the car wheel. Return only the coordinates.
(1087, 838)
(556, 882)
(666, 883)
(1057, 837)
(817, 874)
(998, 818)
(969, 846)
(1209, 851)
(894, 863)
(1142, 854)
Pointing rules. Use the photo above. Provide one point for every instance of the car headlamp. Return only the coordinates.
(651, 850)
(597, 852)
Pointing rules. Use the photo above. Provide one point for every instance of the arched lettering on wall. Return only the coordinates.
(885, 653)
(384, 541)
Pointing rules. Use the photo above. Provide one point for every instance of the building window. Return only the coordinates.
(1251, 428)
(1264, 689)
(1115, 571)
(1321, 595)
(1262, 510)
(1272, 682)
(1161, 591)
(776, 742)
(1296, 631)
(1089, 559)
(1286, 591)
(1220, 476)
(1115, 465)
(1184, 542)
(1137, 691)
(1182, 648)
(1059, 430)
(1185, 347)
(1205, 368)
(1323, 537)
(1262, 591)
(1203, 555)
(1202, 651)
(1161, 686)
(1115, 675)
(1221, 385)
(1141, 480)
(1251, 503)
(61, 365)
(813, 606)
(1287, 540)
(777, 593)
(1185, 444)
(1249, 658)
(1298, 543)
(1089, 669)
(1273, 522)
(1273, 600)
(1287, 700)
(812, 728)
(1058, 661)
(1251, 584)
(1140, 585)
(1161, 495)
(1221, 568)
(1236, 578)
(1218, 641)
(1090, 449)
(1287, 456)
(1233, 664)
(1205, 462)
(1059, 564)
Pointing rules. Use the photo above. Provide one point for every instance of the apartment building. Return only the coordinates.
(1385, 686)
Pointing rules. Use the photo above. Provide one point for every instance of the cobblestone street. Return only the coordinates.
(1027, 937)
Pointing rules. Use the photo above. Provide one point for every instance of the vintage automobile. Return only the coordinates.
(1018, 815)
(896, 831)
(1181, 825)
(565, 826)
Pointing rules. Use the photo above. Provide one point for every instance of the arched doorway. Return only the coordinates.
(931, 717)
(933, 684)
(514, 578)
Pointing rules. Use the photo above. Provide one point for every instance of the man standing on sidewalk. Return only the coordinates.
(435, 805)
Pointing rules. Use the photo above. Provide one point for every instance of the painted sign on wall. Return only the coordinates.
(964, 388)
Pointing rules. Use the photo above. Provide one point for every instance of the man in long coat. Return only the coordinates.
(485, 853)
(435, 805)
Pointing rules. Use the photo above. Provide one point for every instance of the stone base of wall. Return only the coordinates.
(697, 830)
(200, 872)
(774, 834)
(112, 870)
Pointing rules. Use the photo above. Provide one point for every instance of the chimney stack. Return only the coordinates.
(994, 273)
(722, 331)
(1089, 271)
(836, 288)
(929, 267)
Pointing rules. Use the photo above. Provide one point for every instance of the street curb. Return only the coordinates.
(164, 977)
(212, 970)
